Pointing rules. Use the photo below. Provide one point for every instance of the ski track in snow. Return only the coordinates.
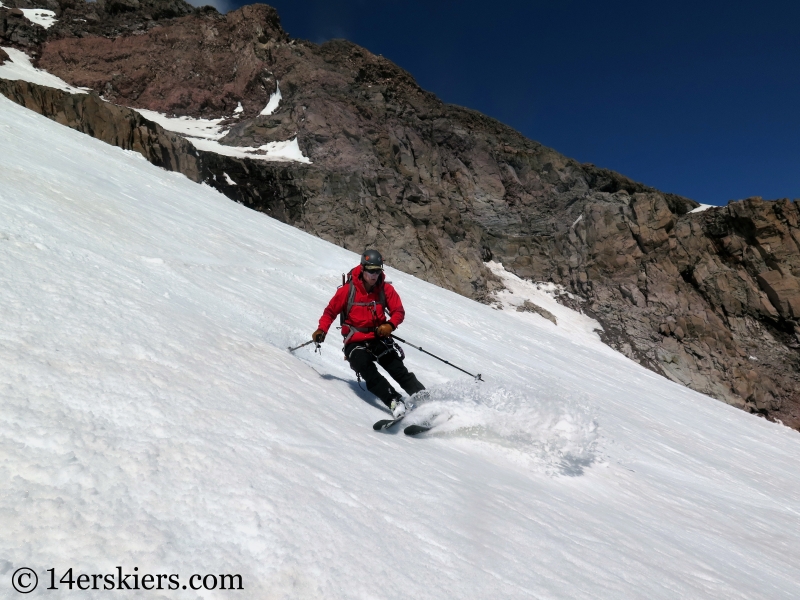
(152, 417)
(542, 429)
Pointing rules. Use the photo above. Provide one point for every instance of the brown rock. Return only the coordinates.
(782, 290)
(528, 306)
(110, 123)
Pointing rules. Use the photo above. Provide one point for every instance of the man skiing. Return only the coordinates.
(361, 304)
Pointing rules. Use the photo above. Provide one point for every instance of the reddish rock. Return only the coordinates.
(201, 65)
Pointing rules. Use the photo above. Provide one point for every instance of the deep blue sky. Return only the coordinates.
(698, 98)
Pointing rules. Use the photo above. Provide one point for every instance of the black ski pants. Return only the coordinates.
(362, 357)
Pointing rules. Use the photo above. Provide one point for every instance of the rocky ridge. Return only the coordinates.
(710, 299)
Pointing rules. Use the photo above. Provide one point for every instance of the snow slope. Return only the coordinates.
(152, 418)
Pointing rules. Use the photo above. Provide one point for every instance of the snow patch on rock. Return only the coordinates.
(288, 151)
(571, 323)
(40, 16)
(205, 133)
(19, 68)
(274, 100)
(209, 129)
(701, 208)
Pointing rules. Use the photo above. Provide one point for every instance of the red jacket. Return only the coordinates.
(364, 317)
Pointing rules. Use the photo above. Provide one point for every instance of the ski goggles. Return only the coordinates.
(373, 269)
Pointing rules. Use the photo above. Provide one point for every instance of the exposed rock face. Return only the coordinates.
(17, 30)
(201, 66)
(709, 299)
(112, 124)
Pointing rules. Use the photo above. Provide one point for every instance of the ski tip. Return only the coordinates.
(385, 424)
(416, 429)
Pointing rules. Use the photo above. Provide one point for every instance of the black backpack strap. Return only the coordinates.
(351, 296)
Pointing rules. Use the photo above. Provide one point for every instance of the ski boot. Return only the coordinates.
(398, 408)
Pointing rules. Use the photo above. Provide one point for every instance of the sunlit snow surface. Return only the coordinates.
(20, 68)
(209, 129)
(204, 133)
(152, 418)
(702, 208)
(271, 151)
(40, 16)
(572, 324)
(274, 101)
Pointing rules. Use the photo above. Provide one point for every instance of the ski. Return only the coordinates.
(386, 423)
(417, 429)
(427, 425)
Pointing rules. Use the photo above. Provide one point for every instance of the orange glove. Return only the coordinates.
(384, 330)
(318, 336)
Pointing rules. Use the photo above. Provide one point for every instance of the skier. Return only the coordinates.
(361, 304)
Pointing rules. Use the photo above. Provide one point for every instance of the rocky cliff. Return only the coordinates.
(710, 299)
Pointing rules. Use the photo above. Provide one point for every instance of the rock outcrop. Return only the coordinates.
(112, 124)
(710, 299)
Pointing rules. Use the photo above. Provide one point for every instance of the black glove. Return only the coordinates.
(318, 336)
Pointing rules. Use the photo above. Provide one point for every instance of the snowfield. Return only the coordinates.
(152, 418)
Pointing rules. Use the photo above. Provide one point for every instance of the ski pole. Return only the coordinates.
(476, 377)
(300, 346)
